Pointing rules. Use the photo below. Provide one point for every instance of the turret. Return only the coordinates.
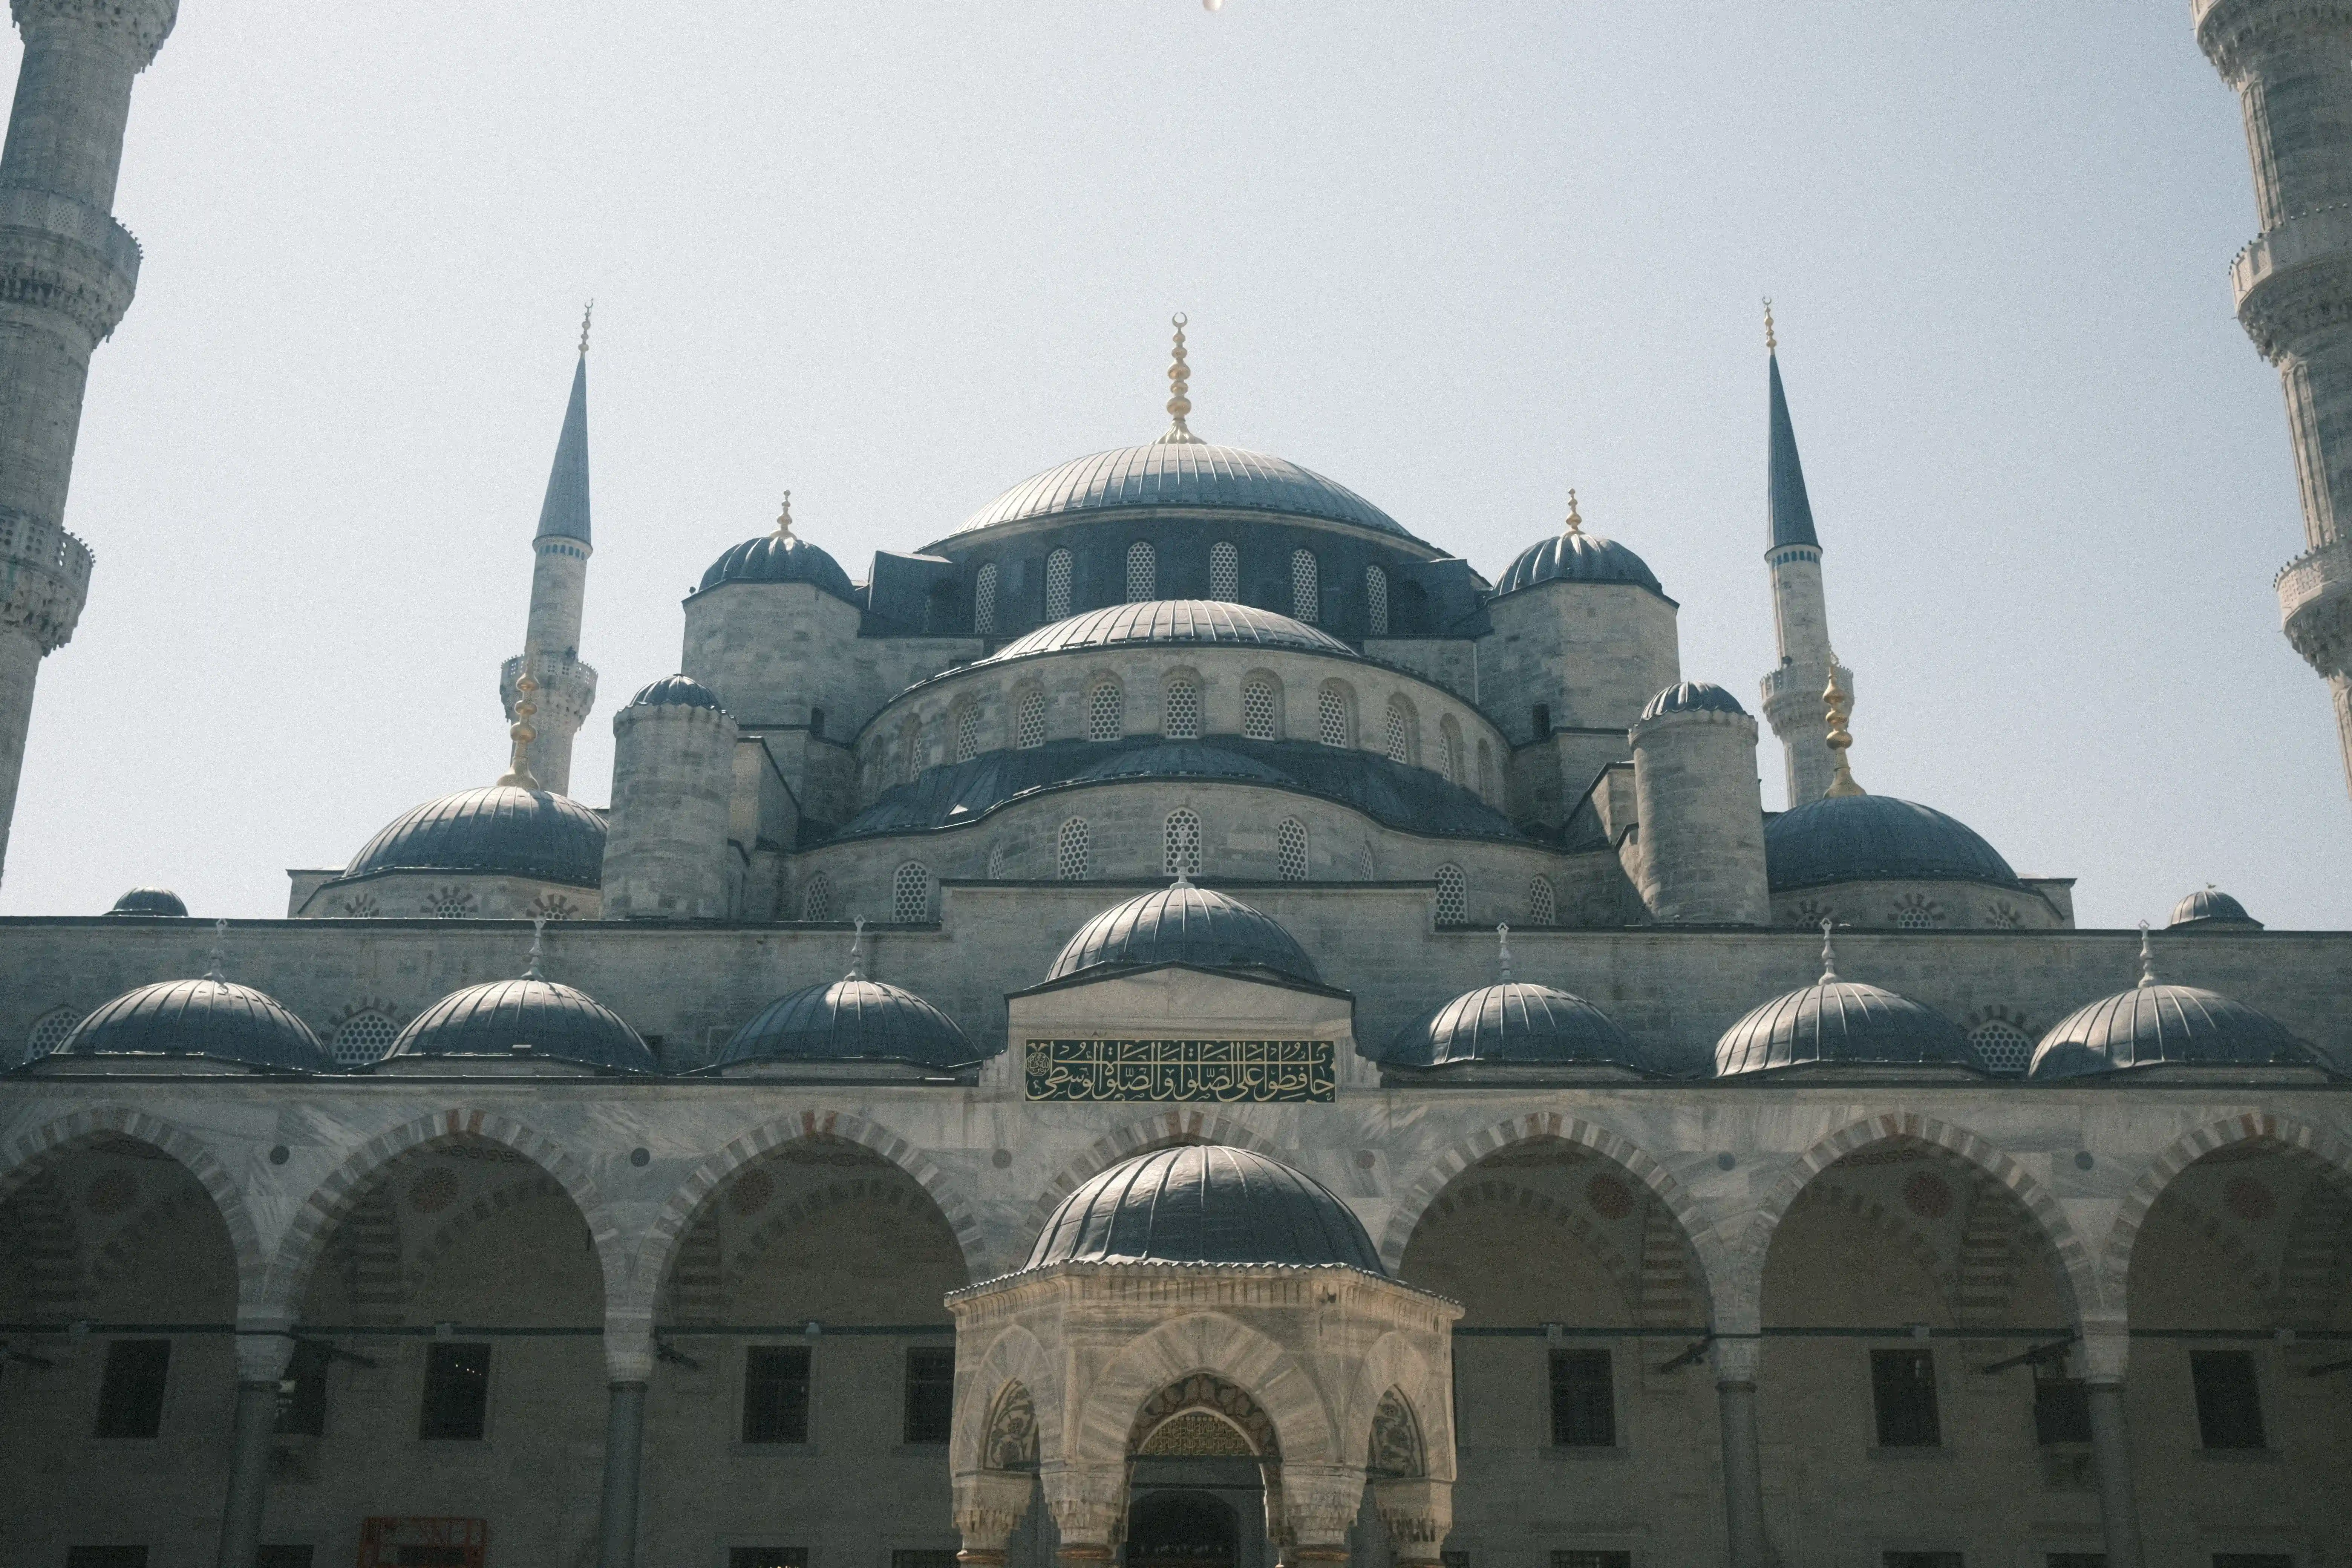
(66, 274)
(1800, 617)
(558, 591)
(666, 851)
(1700, 810)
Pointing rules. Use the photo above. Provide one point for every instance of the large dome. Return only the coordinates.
(1839, 1021)
(500, 828)
(1182, 474)
(1190, 621)
(558, 1023)
(210, 1018)
(1576, 558)
(853, 1020)
(1513, 1025)
(1185, 924)
(1201, 1203)
(1875, 838)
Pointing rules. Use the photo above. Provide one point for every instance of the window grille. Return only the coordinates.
(1396, 737)
(776, 1394)
(910, 894)
(1366, 864)
(1583, 1400)
(1914, 917)
(968, 733)
(1543, 907)
(1903, 1392)
(1224, 572)
(450, 904)
(1058, 586)
(767, 1557)
(49, 1032)
(999, 856)
(1330, 718)
(1453, 896)
(1029, 722)
(1142, 573)
(1306, 594)
(1184, 843)
(130, 1390)
(911, 739)
(1070, 847)
(1257, 709)
(1449, 752)
(2228, 1402)
(1290, 850)
(2006, 1049)
(1106, 712)
(1376, 601)
(363, 1038)
(983, 600)
(457, 1393)
(816, 904)
(1182, 712)
(931, 1396)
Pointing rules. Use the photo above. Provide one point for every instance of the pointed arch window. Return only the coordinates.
(1290, 860)
(1224, 572)
(1142, 573)
(1106, 712)
(1453, 896)
(1257, 709)
(1184, 843)
(1486, 772)
(1070, 847)
(983, 600)
(1449, 749)
(1029, 721)
(1376, 601)
(1000, 856)
(1305, 588)
(967, 731)
(816, 902)
(910, 893)
(1058, 567)
(911, 742)
(1181, 709)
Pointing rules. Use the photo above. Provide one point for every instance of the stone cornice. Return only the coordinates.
(1203, 1285)
(2237, 36)
(140, 25)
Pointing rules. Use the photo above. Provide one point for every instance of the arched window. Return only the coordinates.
(363, 1038)
(1453, 896)
(983, 600)
(1376, 601)
(1449, 749)
(1184, 843)
(1106, 712)
(1914, 917)
(999, 856)
(1257, 709)
(816, 902)
(1367, 865)
(2006, 1049)
(1396, 731)
(1331, 717)
(449, 904)
(910, 745)
(49, 1032)
(1306, 589)
(1290, 850)
(1181, 709)
(967, 731)
(910, 893)
(1142, 571)
(1224, 572)
(1070, 847)
(1057, 584)
(1485, 773)
(1543, 907)
(1029, 721)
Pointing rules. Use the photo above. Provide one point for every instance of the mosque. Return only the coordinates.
(1179, 1024)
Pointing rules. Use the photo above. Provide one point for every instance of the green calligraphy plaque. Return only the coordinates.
(1230, 1072)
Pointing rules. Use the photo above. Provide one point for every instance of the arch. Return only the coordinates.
(1488, 1192)
(1223, 1348)
(45, 1216)
(49, 1031)
(363, 1036)
(432, 1249)
(983, 600)
(1543, 902)
(1014, 1363)
(1305, 588)
(126, 1241)
(1396, 1365)
(891, 1188)
(816, 900)
(1184, 843)
(1334, 714)
(1206, 1391)
(1401, 730)
(2287, 1135)
(1449, 749)
(1029, 719)
(1453, 895)
(967, 729)
(1185, 1124)
(1292, 859)
(1106, 708)
(1180, 706)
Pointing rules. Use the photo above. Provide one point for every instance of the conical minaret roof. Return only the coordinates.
(564, 513)
(1791, 512)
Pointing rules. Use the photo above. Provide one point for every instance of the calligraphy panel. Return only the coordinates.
(1253, 1073)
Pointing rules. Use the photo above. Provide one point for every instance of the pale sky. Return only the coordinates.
(898, 257)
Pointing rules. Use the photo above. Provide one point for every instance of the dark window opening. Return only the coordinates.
(131, 1393)
(1583, 1400)
(1922, 1559)
(767, 1557)
(816, 724)
(1592, 1560)
(2073, 1560)
(302, 1392)
(1543, 721)
(1453, 1560)
(930, 1395)
(106, 1557)
(1903, 1391)
(457, 1393)
(2229, 1404)
(2062, 1410)
(2253, 1560)
(284, 1557)
(939, 610)
(776, 1393)
(1410, 613)
(922, 1560)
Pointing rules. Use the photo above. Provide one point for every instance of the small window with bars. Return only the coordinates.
(930, 1395)
(363, 1038)
(1257, 709)
(1486, 772)
(1106, 712)
(1000, 858)
(1396, 731)
(816, 900)
(1070, 847)
(1305, 588)
(1376, 601)
(131, 1389)
(1903, 1396)
(1029, 721)
(1183, 855)
(910, 744)
(1583, 1400)
(1181, 709)
(1449, 752)
(910, 893)
(1330, 718)
(776, 1393)
(1586, 1558)
(1290, 850)
(1543, 907)
(1224, 572)
(1922, 1559)
(1453, 896)
(1142, 573)
(49, 1032)
(2229, 1399)
(767, 1557)
(1058, 586)
(457, 1393)
(983, 600)
(2005, 1047)
(967, 731)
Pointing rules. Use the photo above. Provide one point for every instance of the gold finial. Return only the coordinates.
(1575, 523)
(785, 517)
(1771, 343)
(587, 314)
(1837, 705)
(1829, 951)
(2146, 958)
(1178, 382)
(1503, 960)
(517, 774)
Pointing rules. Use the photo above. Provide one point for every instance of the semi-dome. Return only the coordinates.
(1186, 474)
(498, 829)
(779, 558)
(1693, 696)
(556, 1022)
(1842, 1022)
(675, 691)
(1205, 1203)
(851, 1020)
(1174, 621)
(150, 903)
(1514, 1024)
(1185, 924)
(1576, 557)
(211, 1018)
(1875, 838)
(2212, 907)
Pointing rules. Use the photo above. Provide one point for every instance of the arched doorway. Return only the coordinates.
(1182, 1530)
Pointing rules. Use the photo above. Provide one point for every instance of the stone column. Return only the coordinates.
(629, 1366)
(1088, 1503)
(989, 1505)
(262, 1353)
(1417, 1514)
(1320, 1503)
(2106, 1351)
(1736, 1363)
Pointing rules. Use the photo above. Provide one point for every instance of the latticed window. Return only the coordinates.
(1029, 722)
(449, 904)
(911, 742)
(999, 856)
(363, 1038)
(983, 600)
(1224, 572)
(1305, 588)
(1070, 847)
(1396, 733)
(1376, 601)
(910, 893)
(1366, 865)
(1142, 573)
(1290, 850)
(1184, 843)
(1180, 717)
(1543, 907)
(816, 902)
(968, 733)
(1058, 586)
(49, 1032)
(1257, 709)
(1453, 896)
(1106, 712)
(1330, 718)
(1916, 913)
(1449, 752)
(2004, 1046)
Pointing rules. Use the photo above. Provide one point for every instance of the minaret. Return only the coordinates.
(559, 589)
(1800, 617)
(66, 273)
(2294, 286)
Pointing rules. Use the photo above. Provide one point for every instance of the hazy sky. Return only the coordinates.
(898, 257)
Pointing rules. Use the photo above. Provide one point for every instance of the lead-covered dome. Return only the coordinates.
(675, 691)
(1514, 1024)
(1875, 838)
(852, 1020)
(152, 903)
(2210, 906)
(1182, 474)
(1840, 1021)
(2155, 1024)
(1693, 696)
(779, 558)
(1173, 621)
(500, 828)
(211, 1019)
(1185, 924)
(1576, 557)
(1205, 1203)
(556, 1023)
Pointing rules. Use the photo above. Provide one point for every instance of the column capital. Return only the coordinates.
(2107, 1349)
(1088, 1503)
(1418, 1513)
(1321, 1502)
(1738, 1358)
(628, 1352)
(988, 1508)
(263, 1352)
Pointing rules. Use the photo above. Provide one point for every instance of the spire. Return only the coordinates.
(1791, 512)
(519, 774)
(1178, 382)
(1829, 952)
(784, 519)
(1837, 706)
(1503, 959)
(1575, 523)
(857, 952)
(564, 513)
(538, 923)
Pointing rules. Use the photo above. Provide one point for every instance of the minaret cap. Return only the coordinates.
(2146, 958)
(1178, 382)
(1575, 523)
(1837, 705)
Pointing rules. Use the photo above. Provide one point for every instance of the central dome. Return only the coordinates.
(1205, 1203)
(1193, 621)
(1858, 837)
(1182, 474)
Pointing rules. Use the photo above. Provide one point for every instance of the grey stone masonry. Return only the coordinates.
(1701, 819)
(1792, 693)
(673, 783)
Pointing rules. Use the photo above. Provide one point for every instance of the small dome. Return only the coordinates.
(2154, 1025)
(558, 1023)
(1182, 474)
(1693, 696)
(1185, 924)
(1875, 838)
(213, 1019)
(780, 558)
(1514, 1024)
(2205, 907)
(500, 828)
(1840, 1021)
(150, 901)
(853, 1020)
(675, 691)
(1184, 760)
(1179, 621)
(1204, 1203)
(1576, 558)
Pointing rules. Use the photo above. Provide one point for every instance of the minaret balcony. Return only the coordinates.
(44, 579)
(1799, 683)
(2297, 241)
(2315, 591)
